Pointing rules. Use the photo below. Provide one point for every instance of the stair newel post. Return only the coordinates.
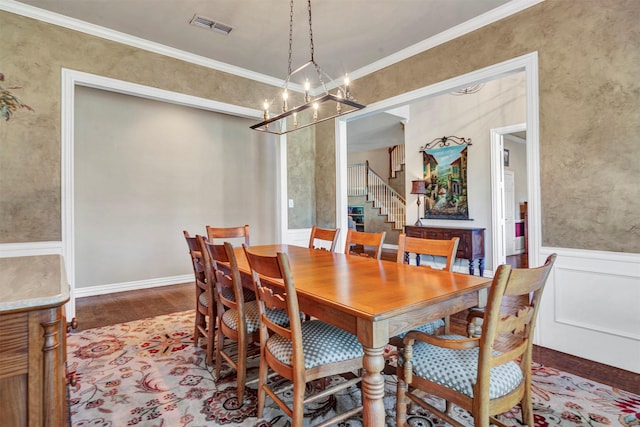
(391, 149)
(366, 177)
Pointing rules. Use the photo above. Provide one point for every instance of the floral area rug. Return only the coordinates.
(149, 373)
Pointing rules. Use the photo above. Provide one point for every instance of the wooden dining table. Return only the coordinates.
(374, 300)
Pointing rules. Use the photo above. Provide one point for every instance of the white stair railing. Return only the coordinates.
(363, 181)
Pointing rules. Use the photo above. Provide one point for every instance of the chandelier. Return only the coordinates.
(312, 111)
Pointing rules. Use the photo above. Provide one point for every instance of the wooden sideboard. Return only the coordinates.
(33, 389)
(470, 247)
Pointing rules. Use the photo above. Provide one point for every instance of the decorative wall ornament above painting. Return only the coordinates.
(444, 170)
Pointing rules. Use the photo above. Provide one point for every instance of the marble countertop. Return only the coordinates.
(32, 282)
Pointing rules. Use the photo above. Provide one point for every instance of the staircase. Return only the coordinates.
(363, 181)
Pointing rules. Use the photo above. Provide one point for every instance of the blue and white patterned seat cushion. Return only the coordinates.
(429, 328)
(322, 344)
(203, 299)
(248, 294)
(458, 369)
(252, 317)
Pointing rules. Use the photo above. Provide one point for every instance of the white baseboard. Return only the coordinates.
(88, 291)
(10, 250)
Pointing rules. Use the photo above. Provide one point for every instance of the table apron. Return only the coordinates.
(377, 333)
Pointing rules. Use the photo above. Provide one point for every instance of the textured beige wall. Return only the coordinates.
(32, 54)
(301, 178)
(589, 111)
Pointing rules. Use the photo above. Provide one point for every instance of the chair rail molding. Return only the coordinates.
(8, 250)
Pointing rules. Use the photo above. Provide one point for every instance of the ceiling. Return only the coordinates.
(349, 35)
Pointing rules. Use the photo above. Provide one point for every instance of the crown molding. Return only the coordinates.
(117, 36)
(469, 26)
(510, 8)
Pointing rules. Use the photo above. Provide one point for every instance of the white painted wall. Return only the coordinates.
(499, 103)
(145, 170)
(378, 160)
(518, 164)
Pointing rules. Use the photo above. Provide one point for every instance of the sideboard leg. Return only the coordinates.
(471, 268)
(481, 266)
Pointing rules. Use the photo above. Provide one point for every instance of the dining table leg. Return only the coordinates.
(373, 387)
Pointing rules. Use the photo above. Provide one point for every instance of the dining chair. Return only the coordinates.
(238, 318)
(418, 246)
(366, 240)
(485, 375)
(324, 235)
(205, 322)
(214, 233)
(304, 351)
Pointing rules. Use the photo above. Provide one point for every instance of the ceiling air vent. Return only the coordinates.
(210, 24)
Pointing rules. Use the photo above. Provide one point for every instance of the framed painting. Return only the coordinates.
(445, 174)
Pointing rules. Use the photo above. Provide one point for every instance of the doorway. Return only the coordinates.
(510, 188)
(527, 64)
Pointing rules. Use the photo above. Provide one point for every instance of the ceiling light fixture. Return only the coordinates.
(469, 89)
(312, 111)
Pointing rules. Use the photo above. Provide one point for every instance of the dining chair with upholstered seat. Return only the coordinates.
(326, 235)
(237, 310)
(205, 323)
(226, 233)
(372, 241)
(484, 375)
(304, 351)
(418, 246)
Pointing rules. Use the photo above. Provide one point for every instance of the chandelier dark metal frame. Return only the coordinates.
(339, 104)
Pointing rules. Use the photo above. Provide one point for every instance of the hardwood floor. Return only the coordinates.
(103, 310)
(120, 307)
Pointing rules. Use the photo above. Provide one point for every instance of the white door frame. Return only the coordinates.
(71, 78)
(497, 191)
(526, 63)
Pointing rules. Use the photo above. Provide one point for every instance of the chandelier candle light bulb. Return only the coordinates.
(307, 87)
(285, 96)
(347, 92)
(315, 111)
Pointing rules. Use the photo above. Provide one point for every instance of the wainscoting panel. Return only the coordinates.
(298, 237)
(590, 307)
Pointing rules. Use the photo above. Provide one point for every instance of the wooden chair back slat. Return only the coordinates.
(367, 240)
(441, 248)
(326, 234)
(214, 233)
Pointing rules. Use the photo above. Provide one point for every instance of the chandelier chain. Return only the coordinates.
(290, 36)
(310, 30)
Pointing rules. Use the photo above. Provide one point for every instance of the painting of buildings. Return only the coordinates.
(445, 173)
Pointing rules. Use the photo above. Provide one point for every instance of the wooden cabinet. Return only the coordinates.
(470, 247)
(33, 390)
